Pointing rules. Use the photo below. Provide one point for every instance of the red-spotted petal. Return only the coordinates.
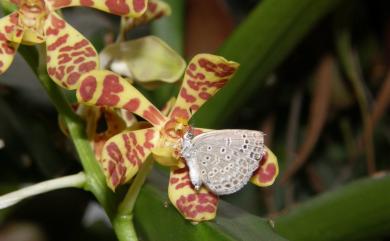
(128, 117)
(9, 28)
(69, 53)
(132, 8)
(193, 205)
(205, 75)
(124, 153)
(105, 88)
(115, 125)
(9, 40)
(266, 174)
(155, 10)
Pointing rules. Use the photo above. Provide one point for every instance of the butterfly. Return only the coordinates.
(222, 160)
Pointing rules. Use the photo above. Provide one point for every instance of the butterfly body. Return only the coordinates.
(222, 160)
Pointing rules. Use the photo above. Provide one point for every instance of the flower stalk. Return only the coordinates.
(77, 180)
(124, 215)
(95, 180)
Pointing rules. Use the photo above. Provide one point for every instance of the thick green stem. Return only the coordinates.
(95, 178)
(127, 205)
(124, 216)
(96, 183)
(124, 228)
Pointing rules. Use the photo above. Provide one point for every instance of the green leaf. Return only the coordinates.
(357, 211)
(7, 6)
(157, 219)
(260, 44)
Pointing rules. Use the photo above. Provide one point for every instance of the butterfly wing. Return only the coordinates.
(228, 158)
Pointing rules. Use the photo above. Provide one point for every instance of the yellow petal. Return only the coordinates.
(164, 156)
(131, 8)
(124, 153)
(91, 115)
(193, 205)
(129, 118)
(69, 53)
(268, 170)
(156, 9)
(168, 106)
(114, 124)
(9, 40)
(105, 88)
(205, 75)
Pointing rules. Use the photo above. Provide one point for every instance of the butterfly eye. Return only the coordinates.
(209, 148)
(246, 141)
(223, 150)
(244, 147)
(244, 136)
(228, 157)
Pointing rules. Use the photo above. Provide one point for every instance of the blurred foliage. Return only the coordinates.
(314, 77)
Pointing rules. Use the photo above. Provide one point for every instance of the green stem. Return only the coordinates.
(96, 183)
(9, 199)
(122, 31)
(95, 179)
(124, 228)
(123, 222)
(127, 205)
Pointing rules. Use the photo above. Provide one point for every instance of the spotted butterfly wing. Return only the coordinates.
(226, 159)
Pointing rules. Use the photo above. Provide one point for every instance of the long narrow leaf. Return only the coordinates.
(358, 211)
(260, 44)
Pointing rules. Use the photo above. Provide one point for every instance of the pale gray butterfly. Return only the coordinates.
(223, 160)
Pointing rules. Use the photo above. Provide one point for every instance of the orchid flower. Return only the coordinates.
(123, 154)
(69, 53)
